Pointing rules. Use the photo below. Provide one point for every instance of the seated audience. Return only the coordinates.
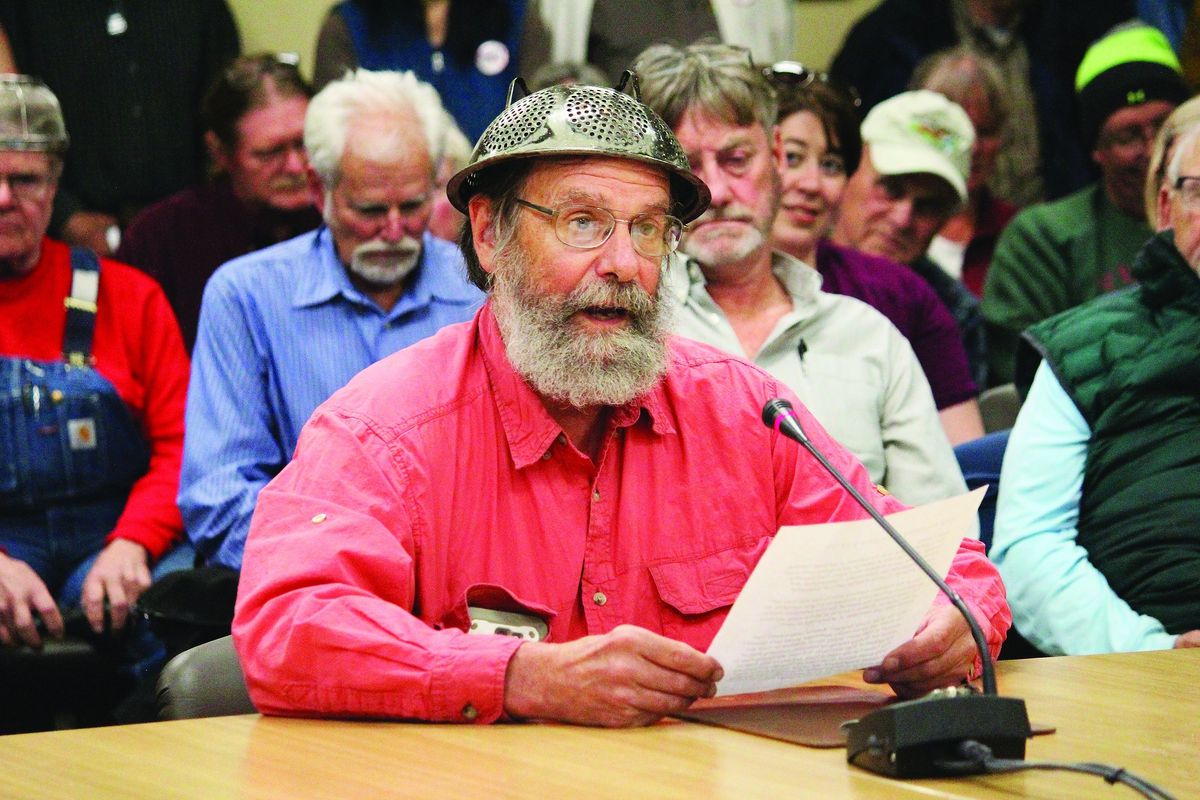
(911, 179)
(130, 76)
(818, 122)
(963, 247)
(466, 49)
(254, 120)
(1096, 533)
(1037, 46)
(611, 33)
(851, 367)
(559, 463)
(95, 377)
(1054, 256)
(283, 328)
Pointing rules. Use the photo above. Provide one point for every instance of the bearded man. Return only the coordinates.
(558, 470)
(283, 328)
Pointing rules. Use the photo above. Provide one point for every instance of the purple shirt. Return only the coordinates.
(181, 241)
(912, 306)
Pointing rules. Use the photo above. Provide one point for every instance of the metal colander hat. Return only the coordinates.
(578, 120)
(30, 117)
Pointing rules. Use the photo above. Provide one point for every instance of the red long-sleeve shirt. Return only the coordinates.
(138, 348)
(436, 480)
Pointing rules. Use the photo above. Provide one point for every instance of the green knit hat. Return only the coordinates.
(1128, 67)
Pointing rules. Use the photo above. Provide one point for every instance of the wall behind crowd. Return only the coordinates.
(292, 25)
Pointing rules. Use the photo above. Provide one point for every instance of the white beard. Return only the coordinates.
(568, 365)
(385, 263)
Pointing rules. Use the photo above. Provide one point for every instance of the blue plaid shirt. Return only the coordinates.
(280, 330)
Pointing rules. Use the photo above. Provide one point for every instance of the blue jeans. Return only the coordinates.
(69, 452)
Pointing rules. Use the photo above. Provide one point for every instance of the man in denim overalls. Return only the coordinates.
(93, 378)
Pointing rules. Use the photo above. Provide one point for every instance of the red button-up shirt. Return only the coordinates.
(436, 480)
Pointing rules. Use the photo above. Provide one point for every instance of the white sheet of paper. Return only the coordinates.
(829, 598)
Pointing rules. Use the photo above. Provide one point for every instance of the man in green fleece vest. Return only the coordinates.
(1097, 536)
(1054, 256)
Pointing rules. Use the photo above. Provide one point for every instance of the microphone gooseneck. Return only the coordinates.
(919, 738)
(780, 415)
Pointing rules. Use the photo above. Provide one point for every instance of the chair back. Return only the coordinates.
(980, 461)
(205, 681)
(999, 406)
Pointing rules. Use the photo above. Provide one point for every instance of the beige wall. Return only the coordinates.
(821, 25)
(292, 25)
(281, 25)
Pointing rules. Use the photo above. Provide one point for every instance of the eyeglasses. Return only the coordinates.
(654, 235)
(795, 75)
(27, 187)
(1188, 189)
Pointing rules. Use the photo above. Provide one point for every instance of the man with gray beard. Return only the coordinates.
(283, 328)
(854, 371)
(558, 471)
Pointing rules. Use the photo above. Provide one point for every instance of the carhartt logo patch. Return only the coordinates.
(82, 433)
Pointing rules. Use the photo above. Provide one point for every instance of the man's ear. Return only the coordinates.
(316, 188)
(481, 211)
(216, 151)
(1164, 209)
(777, 148)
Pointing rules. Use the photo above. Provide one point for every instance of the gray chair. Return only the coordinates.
(999, 406)
(205, 681)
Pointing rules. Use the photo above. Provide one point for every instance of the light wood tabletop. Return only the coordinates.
(1140, 711)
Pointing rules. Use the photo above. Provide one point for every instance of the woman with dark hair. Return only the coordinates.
(467, 49)
(822, 146)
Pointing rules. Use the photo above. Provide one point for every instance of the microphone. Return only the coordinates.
(912, 739)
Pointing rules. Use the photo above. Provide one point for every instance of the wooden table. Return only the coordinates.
(1140, 711)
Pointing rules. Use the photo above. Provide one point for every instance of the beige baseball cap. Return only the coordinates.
(921, 131)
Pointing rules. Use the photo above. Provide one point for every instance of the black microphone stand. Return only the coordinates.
(909, 739)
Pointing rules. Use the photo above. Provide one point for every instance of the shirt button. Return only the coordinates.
(599, 599)
(595, 494)
(546, 456)
(469, 712)
(318, 519)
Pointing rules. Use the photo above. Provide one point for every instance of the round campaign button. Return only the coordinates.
(491, 58)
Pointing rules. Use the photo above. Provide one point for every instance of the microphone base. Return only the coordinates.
(904, 740)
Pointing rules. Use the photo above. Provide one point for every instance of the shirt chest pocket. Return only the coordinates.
(696, 593)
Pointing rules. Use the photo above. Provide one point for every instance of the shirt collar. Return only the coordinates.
(432, 278)
(528, 426)
(684, 277)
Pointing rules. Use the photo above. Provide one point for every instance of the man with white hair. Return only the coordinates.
(283, 328)
(558, 471)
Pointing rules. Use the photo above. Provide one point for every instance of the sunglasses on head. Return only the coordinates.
(796, 75)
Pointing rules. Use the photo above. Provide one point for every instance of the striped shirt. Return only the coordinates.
(281, 330)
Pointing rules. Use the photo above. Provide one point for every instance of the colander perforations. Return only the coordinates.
(518, 123)
(614, 119)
